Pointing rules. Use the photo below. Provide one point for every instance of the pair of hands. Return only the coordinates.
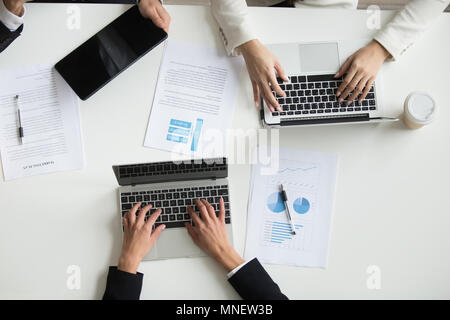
(263, 67)
(209, 233)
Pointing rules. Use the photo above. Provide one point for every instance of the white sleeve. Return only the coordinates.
(9, 19)
(234, 23)
(233, 272)
(409, 24)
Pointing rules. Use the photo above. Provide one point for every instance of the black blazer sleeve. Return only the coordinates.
(122, 285)
(7, 37)
(252, 282)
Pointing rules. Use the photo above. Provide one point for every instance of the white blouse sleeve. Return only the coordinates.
(234, 23)
(406, 27)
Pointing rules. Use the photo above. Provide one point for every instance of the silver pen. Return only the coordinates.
(284, 198)
(20, 119)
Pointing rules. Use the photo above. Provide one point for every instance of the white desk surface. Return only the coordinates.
(392, 205)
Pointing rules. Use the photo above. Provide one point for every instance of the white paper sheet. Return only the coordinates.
(309, 180)
(50, 119)
(194, 100)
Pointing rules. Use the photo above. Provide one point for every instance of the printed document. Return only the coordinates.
(50, 119)
(309, 180)
(194, 100)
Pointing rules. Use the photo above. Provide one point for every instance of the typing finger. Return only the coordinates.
(155, 234)
(255, 93)
(141, 217)
(351, 84)
(152, 218)
(209, 208)
(366, 89)
(132, 213)
(275, 86)
(269, 98)
(194, 216)
(280, 71)
(191, 231)
(221, 210)
(348, 78)
(358, 89)
(203, 211)
(125, 222)
(343, 69)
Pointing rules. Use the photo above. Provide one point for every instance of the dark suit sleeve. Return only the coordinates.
(7, 37)
(122, 285)
(252, 282)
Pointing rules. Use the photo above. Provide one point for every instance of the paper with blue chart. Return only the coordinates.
(194, 99)
(309, 179)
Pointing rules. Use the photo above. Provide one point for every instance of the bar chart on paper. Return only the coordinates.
(180, 131)
(279, 234)
(308, 179)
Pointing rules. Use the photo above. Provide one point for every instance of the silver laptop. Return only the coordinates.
(311, 90)
(172, 187)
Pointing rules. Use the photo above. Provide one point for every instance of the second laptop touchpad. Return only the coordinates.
(320, 57)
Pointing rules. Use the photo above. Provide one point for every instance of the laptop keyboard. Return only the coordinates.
(170, 168)
(316, 95)
(174, 202)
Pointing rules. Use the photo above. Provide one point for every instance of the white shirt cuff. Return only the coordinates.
(232, 272)
(9, 19)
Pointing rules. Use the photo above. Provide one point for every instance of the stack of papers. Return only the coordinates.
(309, 180)
(50, 119)
(194, 100)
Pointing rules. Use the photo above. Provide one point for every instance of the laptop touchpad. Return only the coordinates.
(319, 57)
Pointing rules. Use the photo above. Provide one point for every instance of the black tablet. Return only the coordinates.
(113, 49)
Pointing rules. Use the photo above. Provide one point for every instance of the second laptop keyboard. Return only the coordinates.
(316, 95)
(174, 202)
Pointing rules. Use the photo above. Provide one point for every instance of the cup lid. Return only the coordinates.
(420, 108)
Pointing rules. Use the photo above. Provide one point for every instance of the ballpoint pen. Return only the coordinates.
(284, 198)
(20, 120)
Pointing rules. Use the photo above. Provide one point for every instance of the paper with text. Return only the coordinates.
(309, 180)
(50, 119)
(194, 100)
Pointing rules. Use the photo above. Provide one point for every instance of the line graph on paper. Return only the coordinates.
(296, 174)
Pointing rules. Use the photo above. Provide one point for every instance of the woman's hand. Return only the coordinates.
(210, 234)
(138, 237)
(263, 68)
(154, 10)
(361, 69)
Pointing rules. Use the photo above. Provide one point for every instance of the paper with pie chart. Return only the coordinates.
(309, 181)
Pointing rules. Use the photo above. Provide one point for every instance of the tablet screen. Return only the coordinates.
(114, 48)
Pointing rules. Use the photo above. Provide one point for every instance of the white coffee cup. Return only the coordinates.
(420, 110)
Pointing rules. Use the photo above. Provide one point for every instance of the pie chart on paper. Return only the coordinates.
(274, 203)
(301, 205)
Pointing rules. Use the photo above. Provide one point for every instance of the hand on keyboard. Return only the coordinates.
(361, 68)
(262, 65)
(210, 234)
(138, 237)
